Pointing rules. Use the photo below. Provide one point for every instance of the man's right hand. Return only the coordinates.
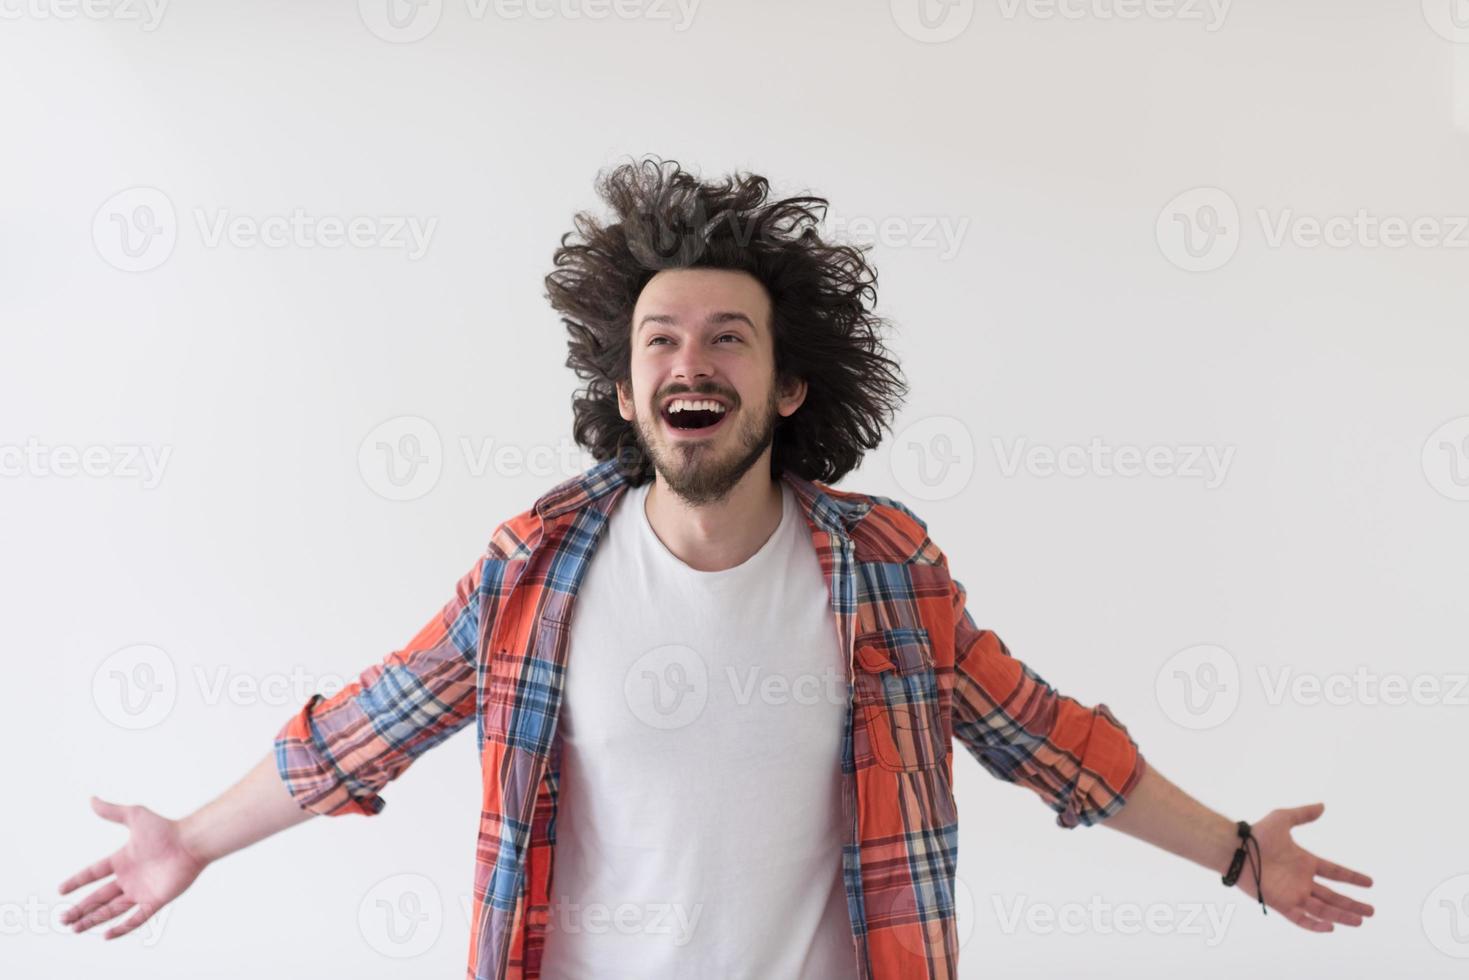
(149, 871)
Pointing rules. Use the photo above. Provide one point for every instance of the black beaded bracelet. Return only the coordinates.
(1232, 875)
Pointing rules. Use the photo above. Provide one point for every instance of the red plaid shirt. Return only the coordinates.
(921, 673)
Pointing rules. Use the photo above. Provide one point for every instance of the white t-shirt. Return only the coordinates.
(699, 825)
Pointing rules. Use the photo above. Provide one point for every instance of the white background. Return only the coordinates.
(1333, 542)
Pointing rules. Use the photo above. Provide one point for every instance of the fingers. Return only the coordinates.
(109, 811)
(111, 910)
(1334, 871)
(1330, 913)
(130, 923)
(1325, 907)
(1340, 901)
(1300, 918)
(1304, 814)
(101, 869)
(90, 904)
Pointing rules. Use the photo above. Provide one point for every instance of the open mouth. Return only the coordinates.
(694, 417)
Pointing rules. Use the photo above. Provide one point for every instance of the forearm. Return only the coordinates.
(251, 810)
(1165, 816)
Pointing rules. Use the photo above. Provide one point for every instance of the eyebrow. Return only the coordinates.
(723, 316)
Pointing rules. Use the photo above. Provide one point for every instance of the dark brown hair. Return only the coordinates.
(821, 297)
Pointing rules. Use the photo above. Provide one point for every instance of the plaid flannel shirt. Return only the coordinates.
(921, 673)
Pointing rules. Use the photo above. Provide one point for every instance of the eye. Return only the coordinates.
(653, 340)
(723, 335)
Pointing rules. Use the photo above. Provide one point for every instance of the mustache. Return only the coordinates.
(707, 389)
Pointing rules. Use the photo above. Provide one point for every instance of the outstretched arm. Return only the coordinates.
(1083, 763)
(331, 757)
(162, 857)
(337, 753)
(1080, 760)
(1165, 816)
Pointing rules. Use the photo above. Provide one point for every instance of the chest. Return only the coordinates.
(694, 671)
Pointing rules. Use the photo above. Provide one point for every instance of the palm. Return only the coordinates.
(149, 871)
(1288, 875)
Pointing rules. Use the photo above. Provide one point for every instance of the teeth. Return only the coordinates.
(686, 405)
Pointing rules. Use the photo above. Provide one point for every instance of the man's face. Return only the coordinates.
(703, 335)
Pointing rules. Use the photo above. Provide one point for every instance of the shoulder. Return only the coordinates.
(885, 529)
(596, 487)
(515, 537)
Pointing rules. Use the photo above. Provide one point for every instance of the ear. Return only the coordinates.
(624, 399)
(792, 395)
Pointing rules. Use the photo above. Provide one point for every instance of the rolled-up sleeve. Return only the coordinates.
(1080, 760)
(337, 752)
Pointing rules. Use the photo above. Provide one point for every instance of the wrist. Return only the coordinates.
(1223, 842)
(195, 839)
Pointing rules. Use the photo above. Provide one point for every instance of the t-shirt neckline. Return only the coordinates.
(766, 547)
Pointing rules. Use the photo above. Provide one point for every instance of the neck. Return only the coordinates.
(723, 533)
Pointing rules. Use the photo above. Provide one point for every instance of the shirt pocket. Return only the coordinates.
(896, 694)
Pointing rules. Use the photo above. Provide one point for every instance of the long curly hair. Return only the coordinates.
(821, 295)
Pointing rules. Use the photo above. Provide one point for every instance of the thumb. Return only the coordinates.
(1305, 814)
(108, 811)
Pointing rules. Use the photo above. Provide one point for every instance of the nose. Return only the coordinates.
(692, 365)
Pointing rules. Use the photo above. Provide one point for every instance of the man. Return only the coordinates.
(706, 685)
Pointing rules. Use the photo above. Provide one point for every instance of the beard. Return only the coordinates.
(692, 470)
